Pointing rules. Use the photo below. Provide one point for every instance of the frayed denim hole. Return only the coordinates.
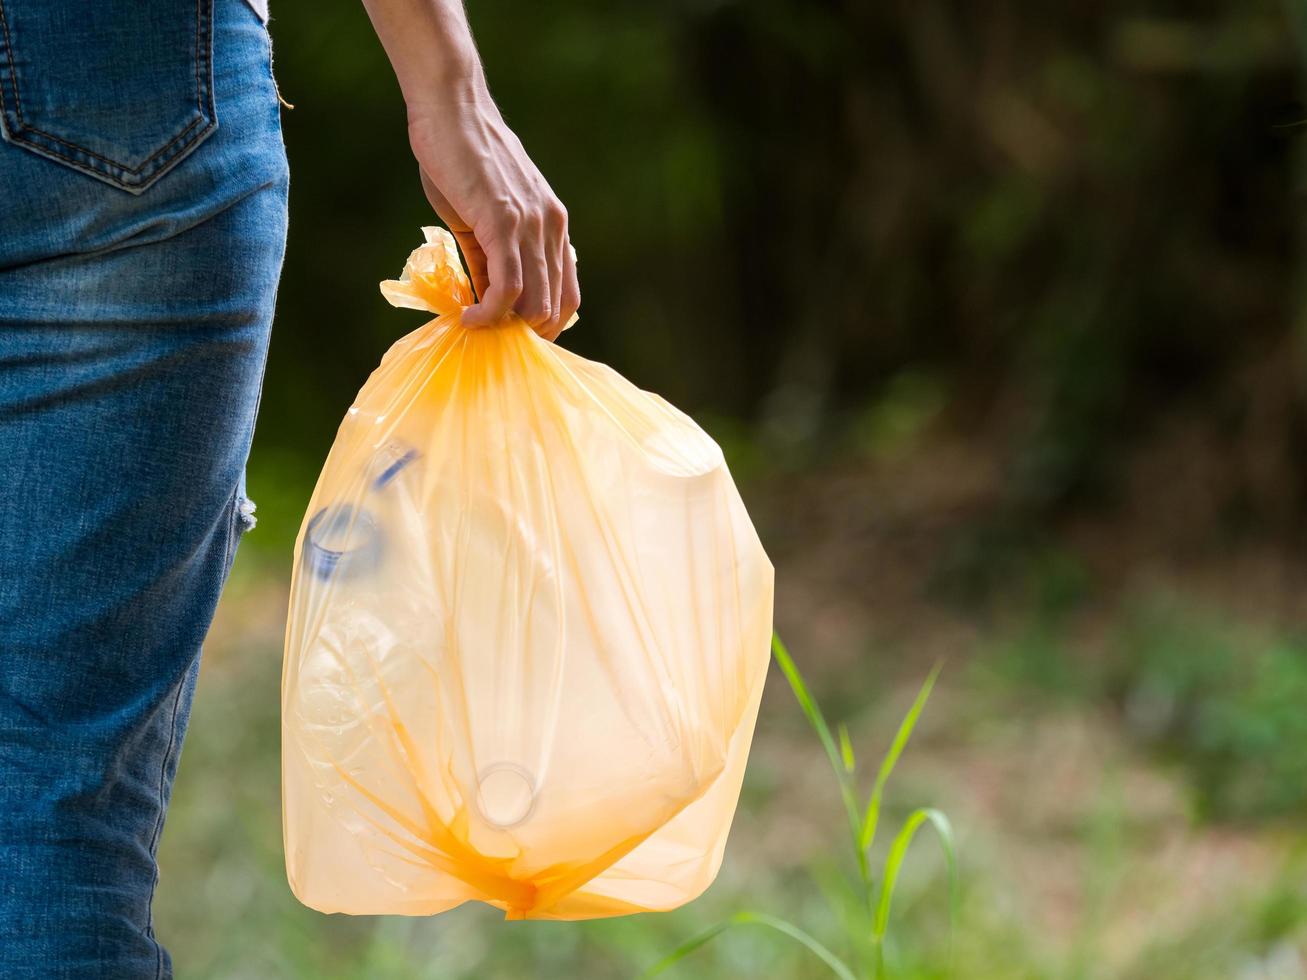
(245, 508)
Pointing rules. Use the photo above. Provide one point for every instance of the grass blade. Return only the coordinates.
(786, 928)
(686, 948)
(836, 965)
(846, 750)
(894, 861)
(818, 722)
(871, 817)
(808, 704)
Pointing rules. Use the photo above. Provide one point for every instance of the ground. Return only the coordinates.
(1110, 738)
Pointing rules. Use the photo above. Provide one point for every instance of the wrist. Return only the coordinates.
(444, 69)
(430, 49)
(437, 92)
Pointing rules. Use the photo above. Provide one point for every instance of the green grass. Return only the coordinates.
(875, 896)
(1086, 855)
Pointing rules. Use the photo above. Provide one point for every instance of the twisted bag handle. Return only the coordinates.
(433, 279)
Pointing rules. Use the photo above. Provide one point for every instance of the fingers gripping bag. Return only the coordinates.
(529, 629)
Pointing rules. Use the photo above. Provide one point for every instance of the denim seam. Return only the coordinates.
(233, 535)
(203, 66)
(272, 68)
(158, 823)
(229, 549)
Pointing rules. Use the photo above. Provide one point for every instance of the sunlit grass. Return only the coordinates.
(1070, 873)
(876, 895)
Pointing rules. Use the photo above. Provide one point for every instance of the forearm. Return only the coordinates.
(511, 227)
(430, 47)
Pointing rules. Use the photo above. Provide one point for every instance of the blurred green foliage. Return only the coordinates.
(831, 230)
(1220, 700)
(1228, 707)
(1062, 222)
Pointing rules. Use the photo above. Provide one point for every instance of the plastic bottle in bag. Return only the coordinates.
(529, 629)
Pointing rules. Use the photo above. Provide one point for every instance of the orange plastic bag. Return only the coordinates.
(529, 629)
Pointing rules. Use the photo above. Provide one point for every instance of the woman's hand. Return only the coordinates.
(508, 222)
(510, 225)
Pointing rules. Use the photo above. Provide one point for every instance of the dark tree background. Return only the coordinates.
(1072, 228)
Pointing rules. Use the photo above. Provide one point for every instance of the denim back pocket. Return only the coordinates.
(121, 90)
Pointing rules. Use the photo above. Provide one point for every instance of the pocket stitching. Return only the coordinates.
(203, 55)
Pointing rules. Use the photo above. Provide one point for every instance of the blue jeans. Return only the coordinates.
(143, 187)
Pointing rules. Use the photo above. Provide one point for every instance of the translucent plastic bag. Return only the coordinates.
(529, 629)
